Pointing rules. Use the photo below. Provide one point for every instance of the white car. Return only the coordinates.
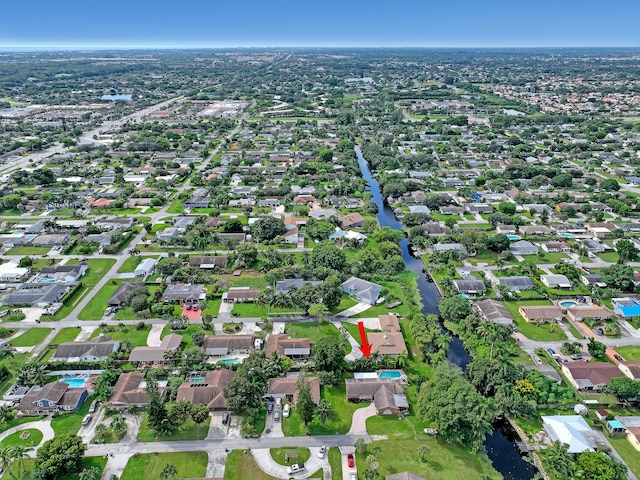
(295, 468)
(353, 476)
(286, 410)
(323, 452)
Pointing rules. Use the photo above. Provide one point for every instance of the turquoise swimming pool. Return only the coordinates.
(513, 237)
(567, 304)
(390, 374)
(230, 361)
(75, 382)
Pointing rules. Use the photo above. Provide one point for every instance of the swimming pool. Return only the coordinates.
(196, 380)
(75, 382)
(230, 361)
(567, 304)
(567, 235)
(513, 237)
(390, 374)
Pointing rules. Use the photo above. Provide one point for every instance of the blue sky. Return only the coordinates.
(238, 23)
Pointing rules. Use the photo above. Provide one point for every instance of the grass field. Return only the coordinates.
(138, 338)
(98, 267)
(187, 431)
(278, 454)
(241, 466)
(71, 423)
(67, 334)
(628, 454)
(629, 353)
(310, 330)
(15, 439)
(247, 279)
(397, 291)
(335, 460)
(188, 464)
(28, 250)
(31, 337)
(96, 308)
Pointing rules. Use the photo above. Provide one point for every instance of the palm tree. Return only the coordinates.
(134, 251)
(6, 352)
(169, 472)
(423, 450)
(402, 360)
(119, 424)
(319, 310)
(19, 453)
(560, 461)
(101, 431)
(6, 458)
(324, 411)
(488, 329)
(6, 414)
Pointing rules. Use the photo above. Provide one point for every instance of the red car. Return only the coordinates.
(350, 460)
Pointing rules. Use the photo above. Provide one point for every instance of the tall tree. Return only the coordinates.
(306, 407)
(60, 455)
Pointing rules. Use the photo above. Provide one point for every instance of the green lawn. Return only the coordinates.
(28, 250)
(553, 258)
(606, 256)
(533, 331)
(138, 338)
(443, 462)
(98, 267)
(70, 303)
(32, 438)
(335, 460)
(96, 307)
(67, 334)
(629, 455)
(241, 466)
(187, 342)
(187, 431)
(31, 337)
(247, 279)
(71, 423)
(310, 330)
(336, 396)
(131, 263)
(248, 310)
(346, 302)
(278, 454)
(188, 464)
(629, 353)
(397, 291)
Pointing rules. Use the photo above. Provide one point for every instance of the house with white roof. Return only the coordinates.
(572, 430)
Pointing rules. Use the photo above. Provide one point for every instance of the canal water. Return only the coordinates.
(500, 444)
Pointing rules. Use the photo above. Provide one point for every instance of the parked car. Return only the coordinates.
(188, 306)
(353, 476)
(576, 356)
(350, 460)
(618, 357)
(295, 468)
(86, 420)
(322, 452)
(195, 308)
(276, 415)
(269, 407)
(599, 331)
(286, 410)
(225, 418)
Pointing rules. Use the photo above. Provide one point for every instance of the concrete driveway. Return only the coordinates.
(87, 432)
(273, 427)
(268, 465)
(359, 420)
(216, 428)
(43, 425)
(153, 339)
(357, 308)
(346, 470)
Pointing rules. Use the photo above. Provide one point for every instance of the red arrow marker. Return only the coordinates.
(366, 347)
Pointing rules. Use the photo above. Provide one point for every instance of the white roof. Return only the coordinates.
(569, 429)
(12, 269)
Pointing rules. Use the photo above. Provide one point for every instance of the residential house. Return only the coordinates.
(591, 279)
(494, 311)
(240, 294)
(448, 210)
(523, 247)
(556, 247)
(631, 425)
(214, 222)
(534, 230)
(292, 236)
(96, 350)
(157, 355)
(385, 393)
(38, 294)
(131, 391)
(571, 430)
(236, 238)
(209, 263)
(630, 369)
(206, 389)
(184, 294)
(506, 229)
(626, 307)
(470, 287)
(444, 247)
(556, 281)
(10, 272)
(388, 342)
(284, 286)
(543, 313)
(115, 223)
(103, 239)
(594, 247)
(353, 220)
(51, 240)
(516, 283)
(52, 397)
(479, 208)
(145, 267)
(286, 388)
(580, 313)
(221, 345)
(119, 297)
(600, 230)
(295, 348)
(590, 376)
(362, 290)
(63, 273)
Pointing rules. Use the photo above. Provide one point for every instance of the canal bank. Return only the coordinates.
(501, 444)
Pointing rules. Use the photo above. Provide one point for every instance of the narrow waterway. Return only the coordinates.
(500, 445)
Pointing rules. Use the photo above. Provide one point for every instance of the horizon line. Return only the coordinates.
(282, 47)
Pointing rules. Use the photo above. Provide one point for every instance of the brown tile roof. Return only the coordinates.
(156, 354)
(596, 372)
(366, 388)
(389, 323)
(351, 219)
(239, 293)
(387, 343)
(281, 343)
(287, 386)
(128, 390)
(592, 311)
(52, 392)
(210, 392)
(542, 312)
(231, 342)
